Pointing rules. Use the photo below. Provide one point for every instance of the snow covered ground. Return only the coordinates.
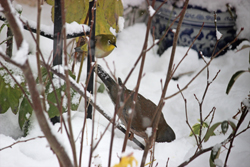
(129, 44)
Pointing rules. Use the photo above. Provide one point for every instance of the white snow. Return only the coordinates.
(129, 45)
(218, 162)
(151, 11)
(74, 27)
(121, 22)
(127, 3)
(218, 34)
(149, 131)
(216, 148)
(21, 55)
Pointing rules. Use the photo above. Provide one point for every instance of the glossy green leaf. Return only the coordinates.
(196, 128)
(53, 109)
(224, 127)
(244, 47)
(215, 152)
(3, 97)
(2, 26)
(233, 126)
(233, 79)
(9, 96)
(25, 112)
(14, 94)
(210, 132)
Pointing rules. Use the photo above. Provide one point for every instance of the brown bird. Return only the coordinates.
(144, 109)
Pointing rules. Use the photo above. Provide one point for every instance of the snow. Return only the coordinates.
(216, 149)
(21, 55)
(218, 34)
(151, 11)
(218, 162)
(121, 22)
(74, 27)
(127, 3)
(149, 131)
(129, 45)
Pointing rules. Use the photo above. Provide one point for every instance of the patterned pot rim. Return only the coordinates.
(195, 16)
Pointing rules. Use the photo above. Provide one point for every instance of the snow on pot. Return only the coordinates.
(192, 22)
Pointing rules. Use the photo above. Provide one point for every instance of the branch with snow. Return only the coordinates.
(73, 29)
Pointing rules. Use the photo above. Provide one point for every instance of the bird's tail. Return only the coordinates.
(105, 77)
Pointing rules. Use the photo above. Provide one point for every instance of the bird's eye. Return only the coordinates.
(109, 42)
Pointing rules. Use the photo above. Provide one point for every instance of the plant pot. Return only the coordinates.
(192, 22)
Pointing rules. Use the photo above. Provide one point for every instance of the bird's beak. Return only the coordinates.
(115, 45)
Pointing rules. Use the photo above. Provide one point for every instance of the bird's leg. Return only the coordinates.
(131, 136)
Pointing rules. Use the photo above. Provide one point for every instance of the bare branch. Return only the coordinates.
(21, 141)
(185, 101)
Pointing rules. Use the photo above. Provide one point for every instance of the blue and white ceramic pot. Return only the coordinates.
(192, 22)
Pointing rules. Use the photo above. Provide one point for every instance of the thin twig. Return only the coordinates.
(67, 91)
(223, 143)
(245, 111)
(25, 67)
(160, 105)
(215, 55)
(21, 141)
(39, 9)
(185, 101)
(143, 55)
(167, 162)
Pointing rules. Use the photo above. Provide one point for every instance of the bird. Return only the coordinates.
(104, 45)
(143, 114)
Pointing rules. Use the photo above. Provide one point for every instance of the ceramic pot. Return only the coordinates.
(193, 19)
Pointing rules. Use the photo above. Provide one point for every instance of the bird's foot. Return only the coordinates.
(131, 136)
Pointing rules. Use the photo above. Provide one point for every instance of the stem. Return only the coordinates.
(39, 9)
(243, 116)
(71, 136)
(9, 43)
(168, 77)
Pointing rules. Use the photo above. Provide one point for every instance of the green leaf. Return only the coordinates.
(25, 112)
(196, 129)
(71, 74)
(2, 26)
(13, 98)
(215, 152)
(3, 97)
(224, 127)
(233, 126)
(233, 79)
(45, 78)
(244, 47)
(9, 37)
(53, 109)
(101, 88)
(9, 96)
(210, 132)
